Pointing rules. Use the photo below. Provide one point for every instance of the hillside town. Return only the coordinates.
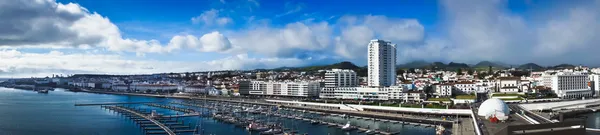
(431, 83)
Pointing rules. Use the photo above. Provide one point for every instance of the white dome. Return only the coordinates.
(493, 107)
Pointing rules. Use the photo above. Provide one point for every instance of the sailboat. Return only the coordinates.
(348, 126)
(199, 127)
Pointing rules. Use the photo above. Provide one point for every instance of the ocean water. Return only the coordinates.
(24, 112)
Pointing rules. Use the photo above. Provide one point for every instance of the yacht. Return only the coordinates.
(314, 122)
(348, 126)
(42, 91)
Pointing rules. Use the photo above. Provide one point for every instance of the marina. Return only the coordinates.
(258, 118)
(60, 106)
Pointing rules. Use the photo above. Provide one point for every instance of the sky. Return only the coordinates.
(45, 37)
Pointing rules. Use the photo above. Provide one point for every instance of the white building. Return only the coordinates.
(153, 87)
(595, 83)
(195, 89)
(340, 78)
(443, 90)
(120, 87)
(381, 63)
(372, 93)
(297, 89)
(465, 87)
(571, 85)
(508, 84)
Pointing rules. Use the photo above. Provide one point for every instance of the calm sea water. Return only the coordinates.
(25, 112)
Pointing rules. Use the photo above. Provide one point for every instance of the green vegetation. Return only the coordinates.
(512, 99)
(439, 99)
(484, 65)
(504, 95)
(341, 65)
(465, 97)
(532, 66)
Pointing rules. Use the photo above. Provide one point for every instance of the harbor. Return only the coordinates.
(89, 117)
(254, 118)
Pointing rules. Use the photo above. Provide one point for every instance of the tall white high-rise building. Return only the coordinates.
(382, 63)
(341, 78)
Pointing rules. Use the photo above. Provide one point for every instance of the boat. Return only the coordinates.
(272, 132)
(348, 126)
(314, 122)
(42, 91)
(256, 127)
(439, 130)
(369, 132)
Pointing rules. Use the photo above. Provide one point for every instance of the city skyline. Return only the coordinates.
(113, 37)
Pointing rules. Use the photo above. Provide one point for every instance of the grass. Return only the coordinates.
(511, 99)
(465, 97)
(439, 99)
(502, 95)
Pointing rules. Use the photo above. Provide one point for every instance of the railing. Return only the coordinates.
(475, 124)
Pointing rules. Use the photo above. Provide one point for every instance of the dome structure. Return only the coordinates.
(493, 107)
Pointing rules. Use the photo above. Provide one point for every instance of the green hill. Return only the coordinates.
(564, 66)
(487, 64)
(532, 66)
(413, 64)
(341, 65)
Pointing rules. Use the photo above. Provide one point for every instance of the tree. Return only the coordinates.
(459, 71)
(489, 70)
(470, 72)
(399, 71)
(481, 75)
(411, 70)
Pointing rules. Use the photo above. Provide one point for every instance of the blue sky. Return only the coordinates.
(150, 36)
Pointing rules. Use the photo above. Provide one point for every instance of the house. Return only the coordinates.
(443, 90)
(508, 85)
(465, 87)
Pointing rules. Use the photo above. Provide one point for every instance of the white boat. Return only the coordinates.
(348, 126)
(439, 130)
(42, 91)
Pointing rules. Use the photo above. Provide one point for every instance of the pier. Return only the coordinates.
(151, 123)
(360, 129)
(122, 103)
(185, 110)
(166, 129)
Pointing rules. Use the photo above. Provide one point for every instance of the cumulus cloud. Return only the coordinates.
(23, 64)
(211, 17)
(48, 24)
(211, 42)
(356, 31)
(290, 41)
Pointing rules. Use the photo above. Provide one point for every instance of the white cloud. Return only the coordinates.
(356, 31)
(211, 42)
(47, 24)
(289, 41)
(23, 64)
(211, 17)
